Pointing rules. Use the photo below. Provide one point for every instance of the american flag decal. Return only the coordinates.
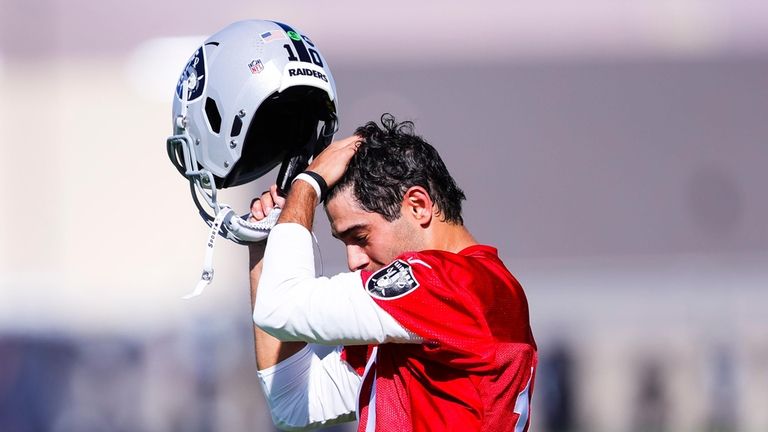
(273, 35)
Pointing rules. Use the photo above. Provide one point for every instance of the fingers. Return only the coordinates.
(329, 164)
(276, 198)
(267, 203)
(332, 162)
(261, 206)
(257, 211)
(347, 146)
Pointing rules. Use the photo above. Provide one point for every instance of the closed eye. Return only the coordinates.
(356, 234)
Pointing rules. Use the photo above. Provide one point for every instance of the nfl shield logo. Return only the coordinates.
(256, 66)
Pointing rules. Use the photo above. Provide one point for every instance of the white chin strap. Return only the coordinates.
(258, 231)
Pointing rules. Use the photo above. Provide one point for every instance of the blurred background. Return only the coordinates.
(614, 152)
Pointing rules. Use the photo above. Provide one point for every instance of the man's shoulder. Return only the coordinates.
(441, 270)
(436, 258)
(476, 264)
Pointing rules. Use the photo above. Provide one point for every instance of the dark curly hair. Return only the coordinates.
(388, 162)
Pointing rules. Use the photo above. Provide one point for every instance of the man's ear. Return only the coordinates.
(417, 204)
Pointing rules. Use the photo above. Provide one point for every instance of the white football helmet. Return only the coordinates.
(255, 94)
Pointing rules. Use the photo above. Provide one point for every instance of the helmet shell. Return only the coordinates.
(255, 88)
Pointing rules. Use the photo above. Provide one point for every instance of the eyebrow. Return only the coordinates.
(342, 234)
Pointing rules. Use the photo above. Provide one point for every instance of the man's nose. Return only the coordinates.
(357, 259)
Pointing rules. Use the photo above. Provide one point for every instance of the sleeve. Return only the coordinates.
(435, 300)
(293, 305)
(312, 388)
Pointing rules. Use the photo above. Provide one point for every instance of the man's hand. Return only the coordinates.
(261, 206)
(332, 162)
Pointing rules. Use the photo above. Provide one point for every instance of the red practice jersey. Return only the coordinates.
(474, 370)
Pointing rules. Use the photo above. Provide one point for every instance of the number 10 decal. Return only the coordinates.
(312, 53)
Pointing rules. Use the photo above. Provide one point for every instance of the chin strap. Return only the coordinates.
(227, 216)
(207, 276)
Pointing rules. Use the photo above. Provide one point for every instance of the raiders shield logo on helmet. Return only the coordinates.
(194, 76)
(393, 281)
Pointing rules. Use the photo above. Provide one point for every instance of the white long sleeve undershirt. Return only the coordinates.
(310, 389)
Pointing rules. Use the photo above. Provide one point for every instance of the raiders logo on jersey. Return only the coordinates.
(392, 281)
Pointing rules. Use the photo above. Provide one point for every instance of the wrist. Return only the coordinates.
(317, 182)
(300, 205)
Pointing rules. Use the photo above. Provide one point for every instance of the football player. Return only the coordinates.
(428, 331)
(431, 331)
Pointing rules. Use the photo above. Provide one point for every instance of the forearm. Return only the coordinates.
(299, 208)
(269, 350)
(300, 205)
(294, 305)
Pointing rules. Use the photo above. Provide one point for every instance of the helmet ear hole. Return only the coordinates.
(212, 114)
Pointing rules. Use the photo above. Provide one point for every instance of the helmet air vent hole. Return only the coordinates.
(212, 113)
(237, 126)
